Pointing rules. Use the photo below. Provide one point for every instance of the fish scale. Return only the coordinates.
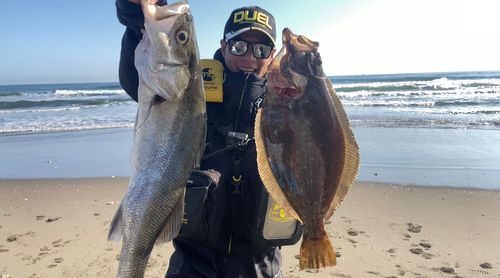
(169, 136)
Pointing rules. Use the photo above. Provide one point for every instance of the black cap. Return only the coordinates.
(250, 18)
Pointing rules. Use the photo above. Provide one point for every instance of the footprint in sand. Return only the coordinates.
(486, 265)
(420, 251)
(352, 232)
(4, 250)
(480, 271)
(346, 219)
(447, 269)
(52, 266)
(417, 251)
(28, 258)
(352, 241)
(58, 260)
(428, 256)
(40, 217)
(401, 271)
(425, 244)
(30, 233)
(45, 248)
(52, 219)
(56, 243)
(414, 228)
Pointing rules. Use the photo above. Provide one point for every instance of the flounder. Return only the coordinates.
(307, 154)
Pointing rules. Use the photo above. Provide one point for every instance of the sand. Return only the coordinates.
(58, 228)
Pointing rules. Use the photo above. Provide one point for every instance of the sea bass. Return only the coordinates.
(169, 136)
(306, 151)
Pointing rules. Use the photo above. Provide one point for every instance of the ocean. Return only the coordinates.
(430, 100)
(431, 129)
(463, 100)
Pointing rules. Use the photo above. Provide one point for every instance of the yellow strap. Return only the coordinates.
(236, 179)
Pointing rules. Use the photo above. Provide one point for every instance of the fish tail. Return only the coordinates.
(316, 253)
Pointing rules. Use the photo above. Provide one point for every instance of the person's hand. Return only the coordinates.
(135, 1)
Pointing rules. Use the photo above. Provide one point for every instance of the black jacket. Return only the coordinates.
(233, 207)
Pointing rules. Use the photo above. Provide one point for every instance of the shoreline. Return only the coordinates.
(58, 228)
(408, 156)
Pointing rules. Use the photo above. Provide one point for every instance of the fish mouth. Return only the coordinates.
(161, 66)
(286, 93)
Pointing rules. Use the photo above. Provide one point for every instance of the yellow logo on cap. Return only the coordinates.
(258, 17)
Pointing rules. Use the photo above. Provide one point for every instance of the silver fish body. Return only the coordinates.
(169, 137)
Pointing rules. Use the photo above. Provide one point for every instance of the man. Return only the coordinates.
(221, 245)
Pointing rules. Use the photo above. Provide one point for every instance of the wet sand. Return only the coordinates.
(410, 156)
(58, 228)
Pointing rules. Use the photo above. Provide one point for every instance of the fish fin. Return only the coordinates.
(135, 123)
(351, 167)
(315, 254)
(115, 230)
(174, 222)
(266, 173)
(154, 100)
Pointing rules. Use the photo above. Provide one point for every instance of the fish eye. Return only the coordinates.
(300, 62)
(182, 37)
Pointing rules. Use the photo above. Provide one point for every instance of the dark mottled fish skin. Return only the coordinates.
(307, 154)
(169, 137)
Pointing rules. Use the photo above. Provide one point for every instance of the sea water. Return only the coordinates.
(461, 100)
(430, 100)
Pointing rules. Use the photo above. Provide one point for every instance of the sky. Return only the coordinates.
(60, 41)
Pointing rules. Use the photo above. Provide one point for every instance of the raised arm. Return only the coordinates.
(129, 13)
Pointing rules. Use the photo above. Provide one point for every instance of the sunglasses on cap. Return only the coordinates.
(240, 47)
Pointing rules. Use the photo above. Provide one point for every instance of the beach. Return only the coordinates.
(58, 228)
(419, 208)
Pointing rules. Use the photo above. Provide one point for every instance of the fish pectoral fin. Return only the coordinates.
(174, 222)
(115, 230)
(156, 99)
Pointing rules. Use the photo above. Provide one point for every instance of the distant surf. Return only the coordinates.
(419, 100)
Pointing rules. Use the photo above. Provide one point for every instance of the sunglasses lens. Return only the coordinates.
(238, 48)
(260, 50)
